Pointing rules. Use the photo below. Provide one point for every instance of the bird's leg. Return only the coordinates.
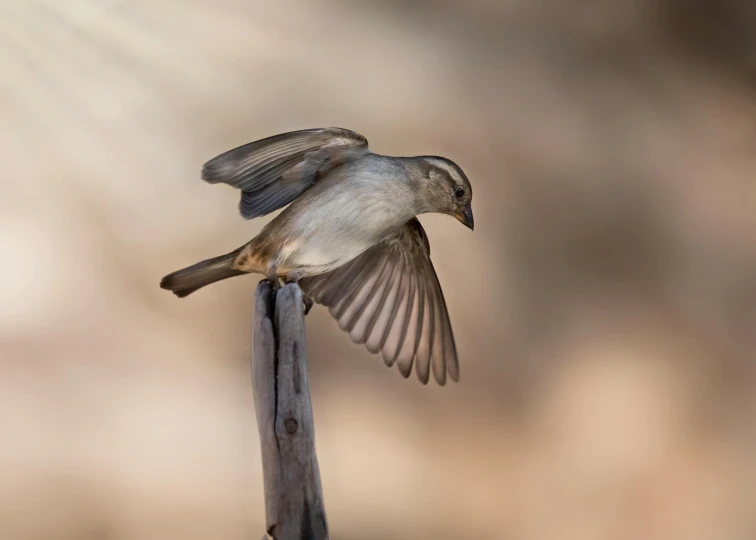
(293, 277)
(272, 276)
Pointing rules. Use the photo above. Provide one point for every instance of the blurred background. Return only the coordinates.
(604, 307)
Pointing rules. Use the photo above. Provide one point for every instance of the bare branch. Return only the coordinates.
(294, 507)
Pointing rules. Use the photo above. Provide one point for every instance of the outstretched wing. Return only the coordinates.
(389, 298)
(273, 172)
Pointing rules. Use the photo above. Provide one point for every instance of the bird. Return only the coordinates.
(349, 236)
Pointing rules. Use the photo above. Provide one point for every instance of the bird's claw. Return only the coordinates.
(275, 283)
(308, 303)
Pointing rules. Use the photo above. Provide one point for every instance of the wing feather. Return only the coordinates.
(389, 299)
(274, 171)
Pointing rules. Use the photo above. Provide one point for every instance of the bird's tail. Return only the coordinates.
(186, 281)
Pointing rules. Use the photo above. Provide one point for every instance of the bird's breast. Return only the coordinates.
(339, 225)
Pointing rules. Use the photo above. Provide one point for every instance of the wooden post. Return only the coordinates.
(294, 507)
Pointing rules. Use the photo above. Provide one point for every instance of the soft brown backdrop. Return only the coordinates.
(605, 306)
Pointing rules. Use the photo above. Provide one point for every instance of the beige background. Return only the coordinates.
(604, 307)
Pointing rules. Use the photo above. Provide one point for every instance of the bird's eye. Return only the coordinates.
(459, 192)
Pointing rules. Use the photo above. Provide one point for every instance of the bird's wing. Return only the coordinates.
(273, 172)
(389, 298)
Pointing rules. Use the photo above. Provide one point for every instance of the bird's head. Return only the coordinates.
(444, 188)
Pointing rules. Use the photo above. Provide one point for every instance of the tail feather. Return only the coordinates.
(186, 281)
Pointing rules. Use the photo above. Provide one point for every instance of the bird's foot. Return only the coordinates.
(272, 277)
(308, 303)
(293, 277)
(275, 283)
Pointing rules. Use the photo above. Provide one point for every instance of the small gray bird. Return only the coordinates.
(349, 237)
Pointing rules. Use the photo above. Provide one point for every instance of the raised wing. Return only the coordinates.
(389, 298)
(273, 172)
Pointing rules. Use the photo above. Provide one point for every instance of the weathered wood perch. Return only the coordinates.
(293, 496)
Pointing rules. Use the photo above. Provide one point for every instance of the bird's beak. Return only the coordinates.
(465, 216)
